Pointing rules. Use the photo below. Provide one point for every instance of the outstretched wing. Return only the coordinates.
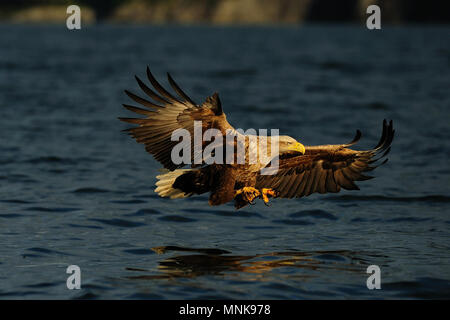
(167, 113)
(326, 168)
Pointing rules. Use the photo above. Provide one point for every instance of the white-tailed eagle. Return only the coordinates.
(294, 171)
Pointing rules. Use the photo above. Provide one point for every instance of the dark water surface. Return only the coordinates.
(75, 190)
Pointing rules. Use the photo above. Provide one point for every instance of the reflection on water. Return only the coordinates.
(220, 262)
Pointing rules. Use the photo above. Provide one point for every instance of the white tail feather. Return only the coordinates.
(165, 182)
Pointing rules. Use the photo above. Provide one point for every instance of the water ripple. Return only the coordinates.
(293, 222)
(90, 190)
(48, 251)
(143, 212)
(317, 214)
(431, 198)
(11, 215)
(119, 223)
(174, 218)
(45, 209)
(139, 251)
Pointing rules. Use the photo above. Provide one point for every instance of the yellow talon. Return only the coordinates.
(266, 192)
(248, 193)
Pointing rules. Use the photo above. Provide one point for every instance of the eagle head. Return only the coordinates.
(290, 145)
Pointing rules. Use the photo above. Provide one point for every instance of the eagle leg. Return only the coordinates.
(266, 192)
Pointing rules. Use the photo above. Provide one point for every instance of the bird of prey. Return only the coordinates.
(294, 171)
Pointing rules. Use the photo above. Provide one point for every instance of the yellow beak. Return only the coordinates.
(298, 147)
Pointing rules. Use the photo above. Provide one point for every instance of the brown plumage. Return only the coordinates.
(301, 170)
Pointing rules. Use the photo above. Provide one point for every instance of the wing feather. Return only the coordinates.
(327, 168)
(303, 182)
(178, 90)
(150, 92)
(159, 88)
(142, 101)
(166, 113)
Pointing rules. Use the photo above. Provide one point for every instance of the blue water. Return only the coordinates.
(74, 190)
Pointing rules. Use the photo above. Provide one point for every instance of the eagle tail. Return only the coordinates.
(165, 184)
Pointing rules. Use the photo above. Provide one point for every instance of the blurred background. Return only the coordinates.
(226, 11)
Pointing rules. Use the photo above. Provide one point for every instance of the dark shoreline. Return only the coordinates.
(227, 12)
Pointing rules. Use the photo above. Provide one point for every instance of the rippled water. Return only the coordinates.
(75, 190)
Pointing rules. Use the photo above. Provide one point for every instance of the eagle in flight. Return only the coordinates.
(294, 170)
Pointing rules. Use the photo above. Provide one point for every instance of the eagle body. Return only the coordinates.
(222, 181)
(290, 170)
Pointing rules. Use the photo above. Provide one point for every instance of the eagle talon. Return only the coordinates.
(249, 194)
(266, 192)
